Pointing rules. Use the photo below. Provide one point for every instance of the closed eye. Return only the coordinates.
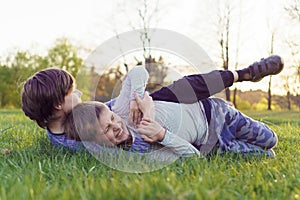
(106, 130)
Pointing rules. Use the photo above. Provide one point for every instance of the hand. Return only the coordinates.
(146, 105)
(135, 115)
(151, 130)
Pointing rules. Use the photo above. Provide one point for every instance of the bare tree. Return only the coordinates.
(237, 50)
(287, 86)
(273, 18)
(223, 25)
(294, 12)
(270, 78)
(147, 16)
(294, 75)
(157, 69)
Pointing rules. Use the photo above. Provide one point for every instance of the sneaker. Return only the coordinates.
(265, 67)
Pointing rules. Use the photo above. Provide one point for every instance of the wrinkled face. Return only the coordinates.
(112, 129)
(71, 100)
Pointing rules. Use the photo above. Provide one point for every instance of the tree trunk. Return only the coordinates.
(2, 101)
(225, 66)
(234, 97)
(270, 94)
(270, 80)
(227, 53)
(288, 96)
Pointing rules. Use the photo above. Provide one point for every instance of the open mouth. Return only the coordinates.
(120, 134)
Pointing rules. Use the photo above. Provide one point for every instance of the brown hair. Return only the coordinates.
(82, 123)
(43, 91)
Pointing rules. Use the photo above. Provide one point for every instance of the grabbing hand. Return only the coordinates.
(151, 131)
(146, 105)
(135, 115)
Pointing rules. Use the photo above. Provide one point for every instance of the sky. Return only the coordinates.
(34, 24)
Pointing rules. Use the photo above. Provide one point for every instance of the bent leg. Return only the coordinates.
(193, 88)
(254, 132)
(242, 134)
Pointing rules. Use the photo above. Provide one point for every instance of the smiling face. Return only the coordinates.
(112, 129)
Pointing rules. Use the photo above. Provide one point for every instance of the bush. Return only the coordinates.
(263, 105)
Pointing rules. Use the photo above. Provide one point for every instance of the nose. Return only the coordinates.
(116, 127)
(78, 93)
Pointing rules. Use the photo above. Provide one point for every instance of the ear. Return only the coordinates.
(58, 107)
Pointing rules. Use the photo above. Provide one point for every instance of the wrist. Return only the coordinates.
(148, 115)
(161, 135)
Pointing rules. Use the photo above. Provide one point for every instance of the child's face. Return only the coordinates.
(112, 129)
(71, 100)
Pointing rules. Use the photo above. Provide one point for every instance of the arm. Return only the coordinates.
(152, 131)
(135, 82)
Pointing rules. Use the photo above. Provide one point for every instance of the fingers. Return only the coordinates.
(146, 95)
(137, 117)
(134, 117)
(147, 139)
(146, 122)
(131, 115)
(137, 98)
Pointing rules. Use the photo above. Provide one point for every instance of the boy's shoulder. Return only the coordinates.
(61, 140)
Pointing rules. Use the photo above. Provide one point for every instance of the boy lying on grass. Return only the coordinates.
(186, 129)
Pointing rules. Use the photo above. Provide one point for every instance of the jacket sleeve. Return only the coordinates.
(134, 82)
(178, 145)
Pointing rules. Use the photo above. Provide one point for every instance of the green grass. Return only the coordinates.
(35, 170)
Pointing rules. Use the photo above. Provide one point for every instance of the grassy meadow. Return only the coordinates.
(36, 170)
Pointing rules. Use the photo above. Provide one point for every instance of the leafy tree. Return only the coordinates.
(20, 65)
(64, 55)
(157, 73)
(85, 81)
(17, 68)
(5, 86)
(108, 84)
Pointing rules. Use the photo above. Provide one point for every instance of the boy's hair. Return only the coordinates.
(82, 123)
(43, 91)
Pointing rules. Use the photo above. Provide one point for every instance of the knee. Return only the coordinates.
(273, 140)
